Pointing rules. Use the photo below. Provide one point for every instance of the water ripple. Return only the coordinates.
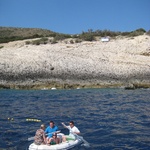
(110, 119)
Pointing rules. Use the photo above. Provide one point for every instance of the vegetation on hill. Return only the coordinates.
(90, 35)
(8, 34)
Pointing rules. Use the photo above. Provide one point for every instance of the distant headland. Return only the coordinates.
(43, 59)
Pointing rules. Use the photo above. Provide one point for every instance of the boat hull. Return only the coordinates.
(62, 146)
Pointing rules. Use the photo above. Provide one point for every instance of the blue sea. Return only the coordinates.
(109, 119)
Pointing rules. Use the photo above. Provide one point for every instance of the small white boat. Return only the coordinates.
(62, 146)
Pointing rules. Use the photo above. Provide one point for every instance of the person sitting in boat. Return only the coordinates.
(73, 129)
(54, 139)
(40, 137)
(50, 130)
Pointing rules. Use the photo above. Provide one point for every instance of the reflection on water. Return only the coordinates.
(109, 119)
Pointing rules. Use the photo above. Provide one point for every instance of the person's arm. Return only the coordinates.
(65, 125)
(44, 137)
(46, 130)
(56, 128)
(77, 132)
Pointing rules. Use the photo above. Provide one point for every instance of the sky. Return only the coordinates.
(76, 16)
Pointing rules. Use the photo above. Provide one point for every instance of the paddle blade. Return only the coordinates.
(31, 138)
(86, 144)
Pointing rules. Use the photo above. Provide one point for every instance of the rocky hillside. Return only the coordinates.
(121, 62)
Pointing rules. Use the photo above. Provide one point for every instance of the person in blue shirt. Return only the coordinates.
(50, 130)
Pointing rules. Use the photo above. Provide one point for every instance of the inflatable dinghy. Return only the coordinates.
(70, 143)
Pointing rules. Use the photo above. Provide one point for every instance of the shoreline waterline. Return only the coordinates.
(55, 85)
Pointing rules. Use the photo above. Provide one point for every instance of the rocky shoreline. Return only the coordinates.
(121, 62)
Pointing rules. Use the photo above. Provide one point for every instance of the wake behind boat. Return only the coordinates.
(70, 143)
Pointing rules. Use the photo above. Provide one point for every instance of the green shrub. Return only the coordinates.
(28, 42)
(1, 47)
(78, 41)
(43, 40)
(60, 37)
(140, 30)
(36, 36)
(36, 42)
(71, 41)
(54, 41)
(87, 37)
(137, 32)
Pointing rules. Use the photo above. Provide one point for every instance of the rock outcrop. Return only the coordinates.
(119, 62)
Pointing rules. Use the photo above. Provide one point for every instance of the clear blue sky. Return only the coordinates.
(75, 16)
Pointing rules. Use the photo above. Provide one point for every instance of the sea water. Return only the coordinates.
(109, 119)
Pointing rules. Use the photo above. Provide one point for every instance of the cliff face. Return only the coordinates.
(120, 61)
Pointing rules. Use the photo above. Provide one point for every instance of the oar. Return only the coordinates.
(32, 138)
(86, 144)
